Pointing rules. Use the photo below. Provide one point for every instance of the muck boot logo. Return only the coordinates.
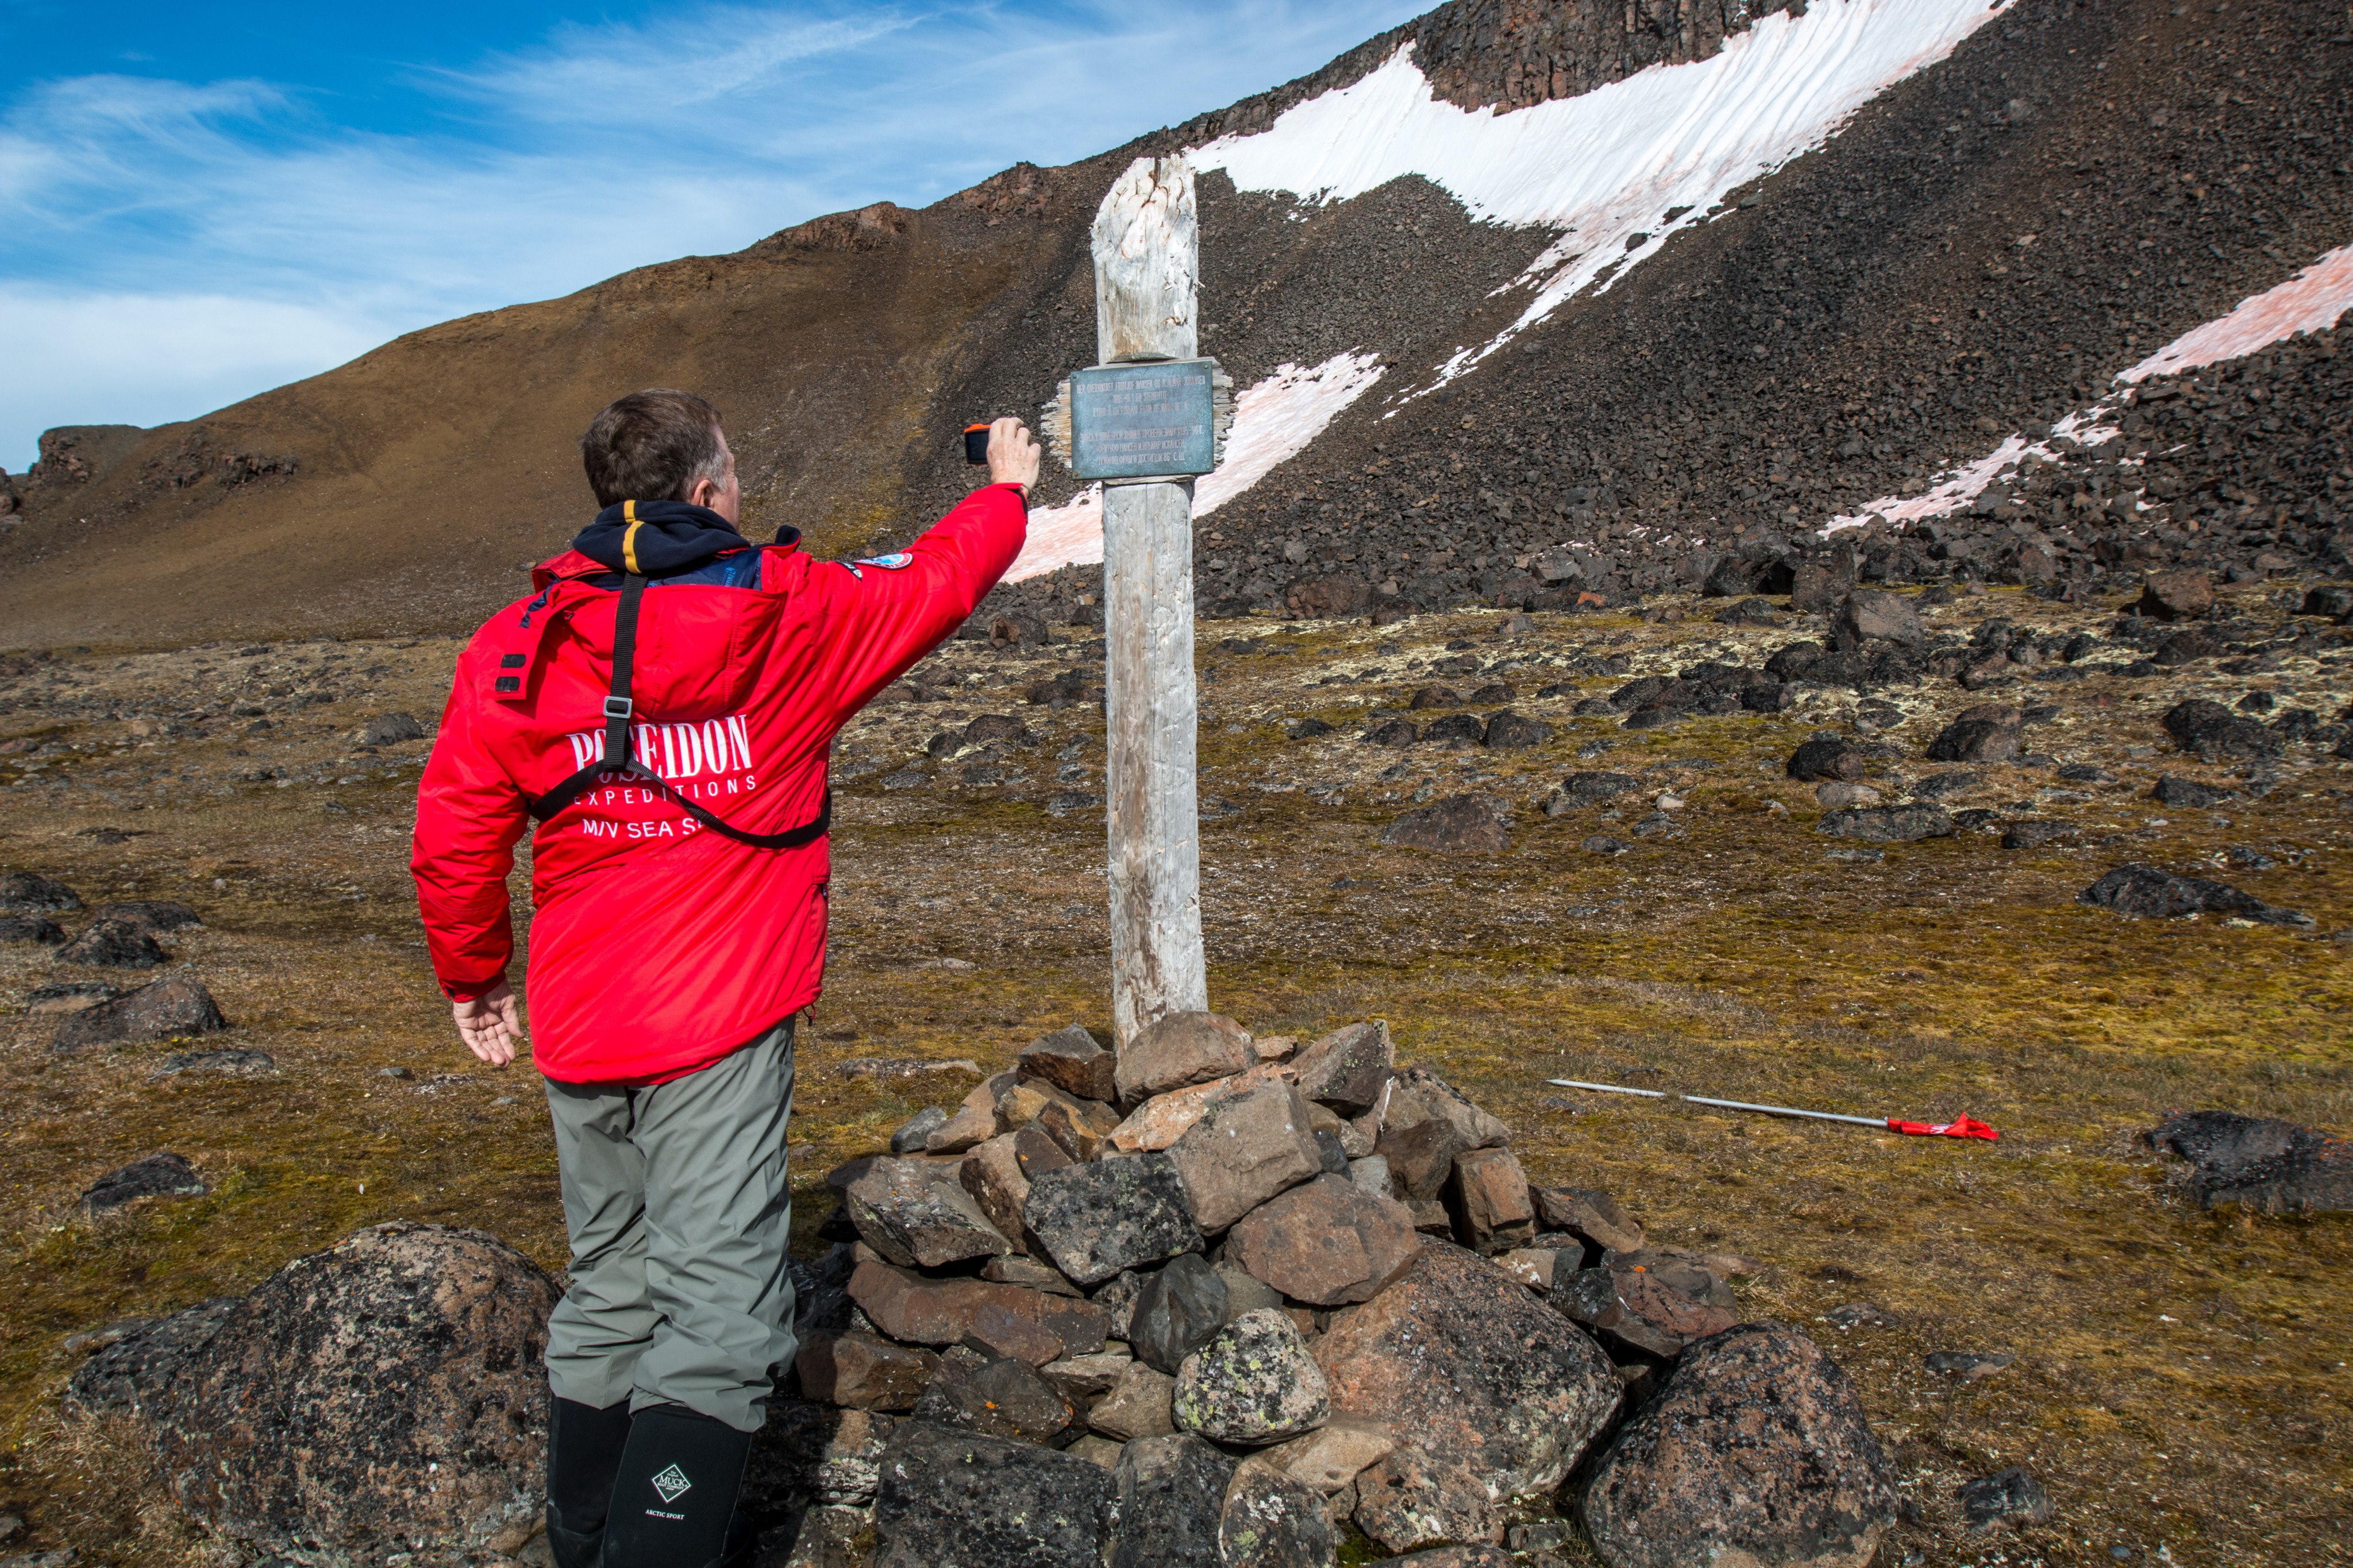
(672, 1483)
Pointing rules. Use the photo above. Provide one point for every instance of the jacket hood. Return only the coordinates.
(656, 537)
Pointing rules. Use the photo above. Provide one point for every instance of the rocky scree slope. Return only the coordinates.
(1979, 251)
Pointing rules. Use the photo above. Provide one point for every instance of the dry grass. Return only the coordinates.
(2179, 1378)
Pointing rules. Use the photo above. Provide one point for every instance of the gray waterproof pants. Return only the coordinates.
(678, 1210)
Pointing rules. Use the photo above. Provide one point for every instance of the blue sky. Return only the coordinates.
(200, 202)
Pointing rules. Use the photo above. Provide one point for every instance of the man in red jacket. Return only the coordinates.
(664, 703)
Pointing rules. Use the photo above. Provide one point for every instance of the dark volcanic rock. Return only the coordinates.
(2146, 891)
(34, 929)
(113, 944)
(1097, 1219)
(2176, 595)
(384, 1397)
(392, 729)
(914, 1214)
(1346, 1071)
(1000, 1396)
(1987, 734)
(155, 916)
(28, 893)
(959, 1498)
(139, 1372)
(1828, 757)
(2006, 1497)
(1888, 824)
(1072, 1061)
(1172, 1495)
(2188, 793)
(2213, 731)
(157, 1176)
(174, 1005)
(2258, 1163)
(1462, 1362)
(1459, 825)
(1176, 1312)
(1506, 729)
(1756, 1451)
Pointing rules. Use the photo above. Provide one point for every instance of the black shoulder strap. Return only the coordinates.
(618, 710)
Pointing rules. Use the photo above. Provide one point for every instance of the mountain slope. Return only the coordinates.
(2001, 227)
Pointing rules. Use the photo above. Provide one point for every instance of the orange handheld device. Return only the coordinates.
(976, 443)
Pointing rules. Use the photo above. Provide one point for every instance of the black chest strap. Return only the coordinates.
(616, 760)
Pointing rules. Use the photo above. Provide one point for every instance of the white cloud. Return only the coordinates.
(145, 359)
(538, 172)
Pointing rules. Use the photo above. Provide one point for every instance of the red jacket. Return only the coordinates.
(658, 947)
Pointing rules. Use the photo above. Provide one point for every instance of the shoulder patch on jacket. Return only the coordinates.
(898, 559)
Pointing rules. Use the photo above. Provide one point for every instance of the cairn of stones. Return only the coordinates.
(1216, 1300)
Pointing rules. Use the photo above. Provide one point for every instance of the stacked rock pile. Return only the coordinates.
(1216, 1300)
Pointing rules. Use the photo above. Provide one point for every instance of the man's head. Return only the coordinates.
(661, 445)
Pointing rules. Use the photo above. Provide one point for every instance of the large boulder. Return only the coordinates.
(1244, 1150)
(1098, 1219)
(173, 1006)
(1327, 1242)
(948, 1497)
(1756, 1451)
(1464, 1363)
(2257, 1163)
(384, 1396)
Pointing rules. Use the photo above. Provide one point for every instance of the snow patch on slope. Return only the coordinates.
(1273, 421)
(1620, 169)
(2311, 302)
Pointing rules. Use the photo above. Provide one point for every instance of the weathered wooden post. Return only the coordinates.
(1144, 420)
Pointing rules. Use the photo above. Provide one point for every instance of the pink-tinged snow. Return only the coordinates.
(1273, 421)
(1606, 167)
(2311, 302)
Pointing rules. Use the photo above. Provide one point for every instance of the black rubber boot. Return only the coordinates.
(674, 1501)
(584, 1453)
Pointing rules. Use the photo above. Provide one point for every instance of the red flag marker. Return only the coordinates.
(1960, 1127)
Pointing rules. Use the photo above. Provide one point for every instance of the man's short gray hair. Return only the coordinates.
(654, 445)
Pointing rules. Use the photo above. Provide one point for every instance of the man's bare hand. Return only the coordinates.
(489, 1024)
(1012, 454)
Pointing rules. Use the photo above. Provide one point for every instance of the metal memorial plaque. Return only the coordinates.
(1134, 421)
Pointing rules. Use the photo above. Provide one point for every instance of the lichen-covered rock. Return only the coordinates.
(2151, 894)
(1171, 1492)
(1097, 1219)
(174, 1005)
(1756, 1451)
(113, 944)
(156, 1175)
(384, 1397)
(1464, 1363)
(1409, 1499)
(961, 1500)
(1254, 1382)
(1888, 824)
(1273, 1522)
(1653, 1301)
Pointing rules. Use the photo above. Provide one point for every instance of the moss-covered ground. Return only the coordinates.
(2180, 1384)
